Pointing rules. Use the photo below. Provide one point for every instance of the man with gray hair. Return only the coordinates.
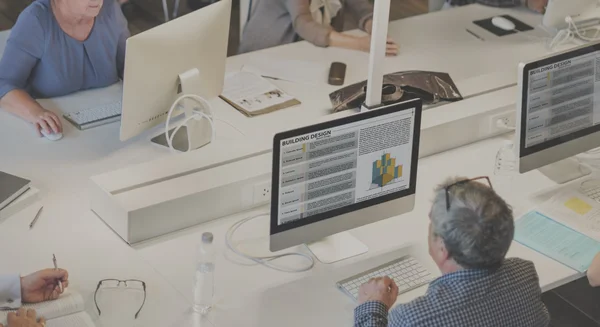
(470, 231)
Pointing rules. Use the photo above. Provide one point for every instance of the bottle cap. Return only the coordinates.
(207, 238)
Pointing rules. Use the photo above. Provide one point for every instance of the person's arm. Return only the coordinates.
(375, 297)
(593, 272)
(305, 25)
(371, 314)
(362, 10)
(24, 48)
(10, 292)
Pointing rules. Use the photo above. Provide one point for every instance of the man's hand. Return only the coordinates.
(43, 285)
(537, 5)
(24, 318)
(382, 289)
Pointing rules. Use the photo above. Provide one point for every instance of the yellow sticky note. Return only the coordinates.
(579, 206)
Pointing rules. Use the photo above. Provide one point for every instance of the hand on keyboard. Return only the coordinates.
(381, 289)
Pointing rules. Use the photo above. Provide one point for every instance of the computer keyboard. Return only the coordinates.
(95, 116)
(592, 192)
(407, 272)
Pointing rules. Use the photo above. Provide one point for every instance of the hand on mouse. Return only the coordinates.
(46, 120)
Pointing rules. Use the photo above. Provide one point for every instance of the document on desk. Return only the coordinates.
(66, 311)
(556, 240)
(297, 71)
(575, 211)
(253, 95)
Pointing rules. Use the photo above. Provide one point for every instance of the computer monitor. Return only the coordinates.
(335, 176)
(185, 55)
(558, 10)
(558, 112)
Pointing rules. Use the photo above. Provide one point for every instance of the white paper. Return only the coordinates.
(575, 211)
(297, 71)
(252, 92)
(80, 319)
(68, 303)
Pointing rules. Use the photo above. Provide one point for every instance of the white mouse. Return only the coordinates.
(52, 136)
(503, 23)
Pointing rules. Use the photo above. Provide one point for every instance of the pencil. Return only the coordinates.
(37, 215)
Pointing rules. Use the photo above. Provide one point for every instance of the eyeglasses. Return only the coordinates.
(116, 283)
(447, 188)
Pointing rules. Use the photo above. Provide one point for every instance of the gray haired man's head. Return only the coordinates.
(478, 227)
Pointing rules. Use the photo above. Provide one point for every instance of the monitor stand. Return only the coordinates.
(337, 247)
(196, 132)
(565, 170)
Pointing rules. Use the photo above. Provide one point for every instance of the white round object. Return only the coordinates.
(503, 23)
(52, 136)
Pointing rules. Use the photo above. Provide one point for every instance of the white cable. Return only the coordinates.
(265, 260)
(206, 106)
(572, 25)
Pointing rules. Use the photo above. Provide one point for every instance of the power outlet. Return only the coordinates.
(507, 118)
(262, 193)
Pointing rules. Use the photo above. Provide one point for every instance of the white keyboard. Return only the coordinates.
(95, 116)
(407, 272)
(591, 190)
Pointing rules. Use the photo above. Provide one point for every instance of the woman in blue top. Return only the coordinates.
(59, 47)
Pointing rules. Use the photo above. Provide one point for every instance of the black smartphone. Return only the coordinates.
(337, 73)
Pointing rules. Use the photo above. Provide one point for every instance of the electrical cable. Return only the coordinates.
(197, 114)
(265, 260)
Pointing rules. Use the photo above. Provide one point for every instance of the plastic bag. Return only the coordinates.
(430, 87)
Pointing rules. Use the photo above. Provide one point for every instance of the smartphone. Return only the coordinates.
(337, 73)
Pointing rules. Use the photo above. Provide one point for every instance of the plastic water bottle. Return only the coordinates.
(205, 270)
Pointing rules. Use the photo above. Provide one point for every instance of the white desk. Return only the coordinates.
(91, 251)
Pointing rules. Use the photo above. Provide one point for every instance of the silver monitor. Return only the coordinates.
(335, 176)
(558, 112)
(558, 10)
(185, 55)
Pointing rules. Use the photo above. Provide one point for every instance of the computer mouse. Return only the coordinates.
(52, 136)
(503, 23)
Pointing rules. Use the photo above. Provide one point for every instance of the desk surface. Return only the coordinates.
(91, 251)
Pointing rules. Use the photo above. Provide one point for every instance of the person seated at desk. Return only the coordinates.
(58, 47)
(38, 287)
(471, 229)
(535, 5)
(277, 22)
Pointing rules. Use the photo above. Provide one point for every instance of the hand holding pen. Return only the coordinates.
(43, 285)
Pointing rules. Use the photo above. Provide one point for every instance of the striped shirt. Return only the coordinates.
(509, 296)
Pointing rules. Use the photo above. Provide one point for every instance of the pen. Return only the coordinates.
(475, 35)
(37, 215)
(56, 268)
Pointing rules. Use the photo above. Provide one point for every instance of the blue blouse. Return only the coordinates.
(43, 60)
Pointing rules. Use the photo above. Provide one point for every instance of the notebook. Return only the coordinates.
(11, 187)
(66, 311)
(253, 95)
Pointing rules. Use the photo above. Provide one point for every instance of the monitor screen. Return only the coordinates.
(333, 168)
(561, 99)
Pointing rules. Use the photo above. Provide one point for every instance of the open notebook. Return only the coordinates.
(67, 311)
